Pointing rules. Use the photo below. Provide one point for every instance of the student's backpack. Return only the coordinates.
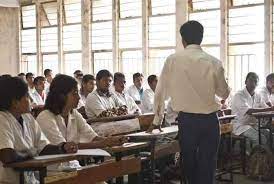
(260, 164)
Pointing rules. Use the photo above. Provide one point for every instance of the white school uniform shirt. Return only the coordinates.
(47, 85)
(128, 101)
(20, 138)
(55, 129)
(37, 99)
(266, 96)
(96, 103)
(82, 101)
(134, 93)
(241, 102)
(191, 78)
(148, 101)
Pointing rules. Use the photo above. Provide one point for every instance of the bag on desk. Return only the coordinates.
(260, 163)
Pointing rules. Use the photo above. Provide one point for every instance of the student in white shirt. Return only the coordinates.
(29, 79)
(148, 98)
(20, 135)
(125, 99)
(102, 102)
(192, 78)
(136, 91)
(78, 75)
(39, 96)
(61, 121)
(49, 76)
(22, 76)
(244, 103)
(87, 86)
(267, 91)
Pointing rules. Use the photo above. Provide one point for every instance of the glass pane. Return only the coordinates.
(131, 62)
(29, 63)
(72, 62)
(205, 4)
(49, 14)
(72, 37)
(162, 31)
(246, 24)
(130, 33)
(157, 60)
(28, 41)
(51, 62)
(49, 42)
(211, 21)
(101, 10)
(246, 2)
(163, 6)
(130, 8)
(214, 51)
(244, 59)
(29, 16)
(101, 35)
(103, 60)
(72, 11)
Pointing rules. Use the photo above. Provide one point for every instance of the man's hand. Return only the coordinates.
(70, 147)
(150, 129)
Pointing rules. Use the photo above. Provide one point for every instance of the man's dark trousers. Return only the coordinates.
(199, 136)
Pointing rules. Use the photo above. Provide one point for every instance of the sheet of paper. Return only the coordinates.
(156, 132)
(84, 152)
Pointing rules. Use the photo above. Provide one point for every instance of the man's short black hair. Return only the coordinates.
(77, 72)
(136, 75)
(103, 73)
(151, 78)
(5, 76)
(87, 78)
(37, 79)
(270, 77)
(192, 32)
(118, 75)
(29, 74)
(47, 72)
(15, 89)
(21, 74)
(251, 75)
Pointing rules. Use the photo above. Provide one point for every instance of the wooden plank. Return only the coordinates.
(166, 149)
(103, 172)
(127, 147)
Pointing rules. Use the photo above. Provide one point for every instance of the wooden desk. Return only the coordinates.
(98, 173)
(261, 117)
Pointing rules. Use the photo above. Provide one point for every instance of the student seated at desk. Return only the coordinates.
(125, 99)
(148, 98)
(49, 76)
(22, 76)
(29, 79)
(78, 76)
(267, 91)
(38, 95)
(87, 86)
(102, 102)
(244, 103)
(61, 122)
(20, 135)
(136, 91)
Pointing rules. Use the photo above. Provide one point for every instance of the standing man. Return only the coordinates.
(194, 78)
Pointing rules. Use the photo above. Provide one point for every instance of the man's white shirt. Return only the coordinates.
(147, 101)
(241, 102)
(191, 78)
(128, 101)
(37, 99)
(134, 93)
(266, 95)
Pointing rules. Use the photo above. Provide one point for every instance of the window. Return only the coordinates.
(28, 41)
(162, 6)
(51, 62)
(49, 41)
(101, 10)
(205, 4)
(130, 8)
(49, 14)
(72, 9)
(246, 2)
(102, 35)
(162, 31)
(28, 16)
(29, 63)
(130, 33)
(157, 58)
(72, 37)
(73, 62)
(103, 60)
(131, 62)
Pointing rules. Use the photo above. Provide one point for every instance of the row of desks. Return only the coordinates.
(123, 167)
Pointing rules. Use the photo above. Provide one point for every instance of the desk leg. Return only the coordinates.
(259, 130)
(119, 180)
(270, 138)
(42, 175)
(152, 160)
(22, 177)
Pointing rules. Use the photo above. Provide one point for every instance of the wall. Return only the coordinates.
(9, 40)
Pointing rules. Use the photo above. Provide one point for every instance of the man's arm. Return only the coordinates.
(222, 88)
